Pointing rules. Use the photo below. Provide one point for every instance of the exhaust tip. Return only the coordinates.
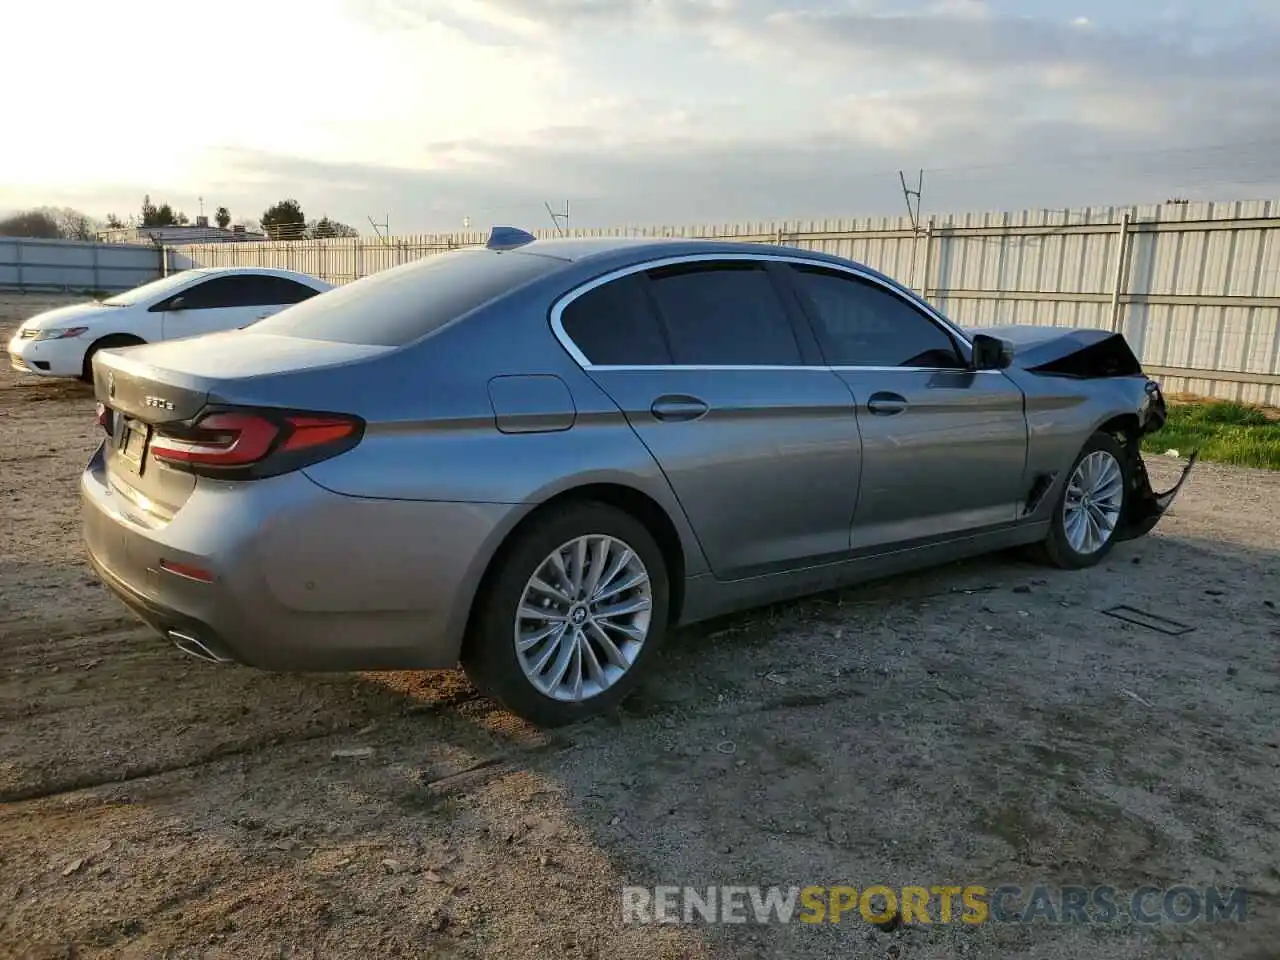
(194, 648)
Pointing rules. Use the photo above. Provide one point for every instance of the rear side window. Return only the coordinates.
(400, 305)
(614, 325)
(273, 290)
(724, 314)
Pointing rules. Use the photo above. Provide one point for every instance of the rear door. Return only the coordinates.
(943, 447)
(758, 440)
(272, 294)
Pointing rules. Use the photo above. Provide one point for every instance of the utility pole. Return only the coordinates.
(383, 230)
(913, 211)
(908, 194)
(556, 217)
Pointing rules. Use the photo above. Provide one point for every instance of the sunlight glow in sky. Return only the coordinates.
(636, 111)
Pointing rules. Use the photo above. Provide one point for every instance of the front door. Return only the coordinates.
(221, 303)
(943, 453)
(228, 303)
(943, 447)
(760, 447)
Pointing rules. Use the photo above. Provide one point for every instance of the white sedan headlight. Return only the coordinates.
(60, 333)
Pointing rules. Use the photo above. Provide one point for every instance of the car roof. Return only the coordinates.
(257, 271)
(622, 251)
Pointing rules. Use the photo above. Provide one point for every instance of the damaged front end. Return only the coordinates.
(1092, 355)
(1143, 506)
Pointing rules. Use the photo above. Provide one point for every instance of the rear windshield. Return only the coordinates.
(397, 306)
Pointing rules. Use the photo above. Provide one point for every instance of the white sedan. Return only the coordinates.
(62, 342)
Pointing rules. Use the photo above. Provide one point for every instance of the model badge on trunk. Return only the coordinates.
(159, 402)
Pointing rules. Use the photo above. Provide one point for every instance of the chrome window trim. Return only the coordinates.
(622, 367)
(558, 308)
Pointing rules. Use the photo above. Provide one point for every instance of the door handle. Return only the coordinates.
(886, 404)
(677, 407)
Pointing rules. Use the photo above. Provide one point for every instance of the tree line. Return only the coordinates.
(284, 220)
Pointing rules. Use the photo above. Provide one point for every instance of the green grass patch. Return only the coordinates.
(1223, 431)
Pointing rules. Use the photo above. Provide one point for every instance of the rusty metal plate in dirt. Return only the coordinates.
(1149, 620)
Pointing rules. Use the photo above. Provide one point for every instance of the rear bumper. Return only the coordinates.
(303, 579)
(163, 619)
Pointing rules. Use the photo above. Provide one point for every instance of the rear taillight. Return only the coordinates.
(218, 440)
(248, 444)
(104, 418)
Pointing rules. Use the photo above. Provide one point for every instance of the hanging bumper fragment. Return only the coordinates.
(1145, 506)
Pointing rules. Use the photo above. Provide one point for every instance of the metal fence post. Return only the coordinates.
(1117, 288)
(928, 252)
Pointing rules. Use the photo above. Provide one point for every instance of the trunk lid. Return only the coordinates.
(140, 398)
(241, 354)
(148, 387)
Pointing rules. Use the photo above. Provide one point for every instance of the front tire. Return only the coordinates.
(571, 616)
(1090, 507)
(115, 340)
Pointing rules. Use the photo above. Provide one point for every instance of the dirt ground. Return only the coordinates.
(982, 723)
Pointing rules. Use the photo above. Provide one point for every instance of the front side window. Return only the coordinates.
(217, 294)
(723, 314)
(861, 324)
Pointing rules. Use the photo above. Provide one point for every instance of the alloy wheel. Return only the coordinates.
(1091, 507)
(583, 618)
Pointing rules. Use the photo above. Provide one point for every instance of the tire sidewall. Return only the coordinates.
(1058, 543)
(490, 655)
(105, 343)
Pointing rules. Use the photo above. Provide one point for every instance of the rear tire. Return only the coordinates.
(115, 340)
(581, 650)
(1090, 507)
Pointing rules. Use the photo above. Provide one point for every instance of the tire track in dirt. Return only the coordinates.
(90, 780)
(23, 640)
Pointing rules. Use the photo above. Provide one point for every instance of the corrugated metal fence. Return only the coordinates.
(27, 264)
(1195, 287)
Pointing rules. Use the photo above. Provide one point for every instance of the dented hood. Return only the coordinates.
(1067, 351)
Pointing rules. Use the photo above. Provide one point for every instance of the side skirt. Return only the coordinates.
(706, 597)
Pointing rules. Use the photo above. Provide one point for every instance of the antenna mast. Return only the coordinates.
(383, 230)
(908, 194)
(556, 218)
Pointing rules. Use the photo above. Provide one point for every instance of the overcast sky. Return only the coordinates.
(636, 111)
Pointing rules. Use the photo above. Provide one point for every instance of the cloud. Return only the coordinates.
(679, 110)
(831, 173)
